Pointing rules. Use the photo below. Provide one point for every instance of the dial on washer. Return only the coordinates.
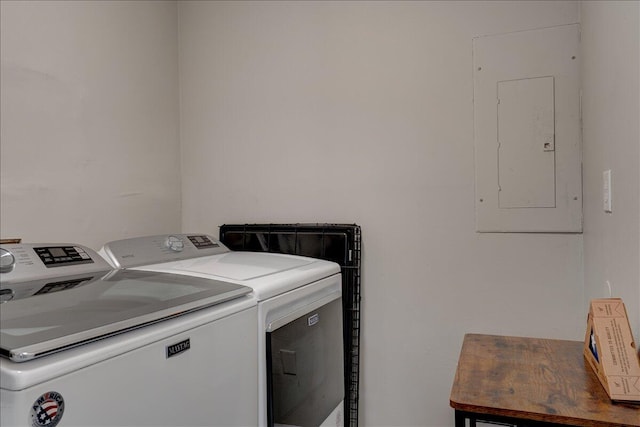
(7, 261)
(174, 243)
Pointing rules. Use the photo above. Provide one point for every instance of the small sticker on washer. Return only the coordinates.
(47, 410)
(312, 320)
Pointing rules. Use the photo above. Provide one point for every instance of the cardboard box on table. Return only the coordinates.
(610, 350)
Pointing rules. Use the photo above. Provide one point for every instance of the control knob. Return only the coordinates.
(7, 261)
(174, 243)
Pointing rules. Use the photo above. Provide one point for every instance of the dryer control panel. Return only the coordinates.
(161, 248)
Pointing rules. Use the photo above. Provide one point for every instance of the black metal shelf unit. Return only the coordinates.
(340, 243)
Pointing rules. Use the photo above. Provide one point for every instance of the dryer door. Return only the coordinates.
(305, 379)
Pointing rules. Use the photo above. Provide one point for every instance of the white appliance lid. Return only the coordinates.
(64, 317)
(242, 266)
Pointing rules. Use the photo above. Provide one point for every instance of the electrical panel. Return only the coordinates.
(527, 131)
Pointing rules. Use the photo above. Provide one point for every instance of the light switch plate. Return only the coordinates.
(606, 190)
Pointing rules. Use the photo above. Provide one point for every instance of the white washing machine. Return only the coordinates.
(85, 345)
(300, 344)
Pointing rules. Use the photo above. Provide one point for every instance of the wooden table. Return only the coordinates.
(532, 382)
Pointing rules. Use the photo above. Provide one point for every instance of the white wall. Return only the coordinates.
(89, 120)
(331, 111)
(362, 112)
(611, 139)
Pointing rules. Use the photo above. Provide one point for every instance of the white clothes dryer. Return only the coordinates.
(299, 327)
(85, 345)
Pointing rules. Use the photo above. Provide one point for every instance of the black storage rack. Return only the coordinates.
(340, 243)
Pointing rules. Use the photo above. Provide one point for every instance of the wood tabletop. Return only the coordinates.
(536, 379)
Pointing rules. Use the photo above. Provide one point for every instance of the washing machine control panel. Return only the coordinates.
(148, 250)
(27, 268)
(55, 256)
